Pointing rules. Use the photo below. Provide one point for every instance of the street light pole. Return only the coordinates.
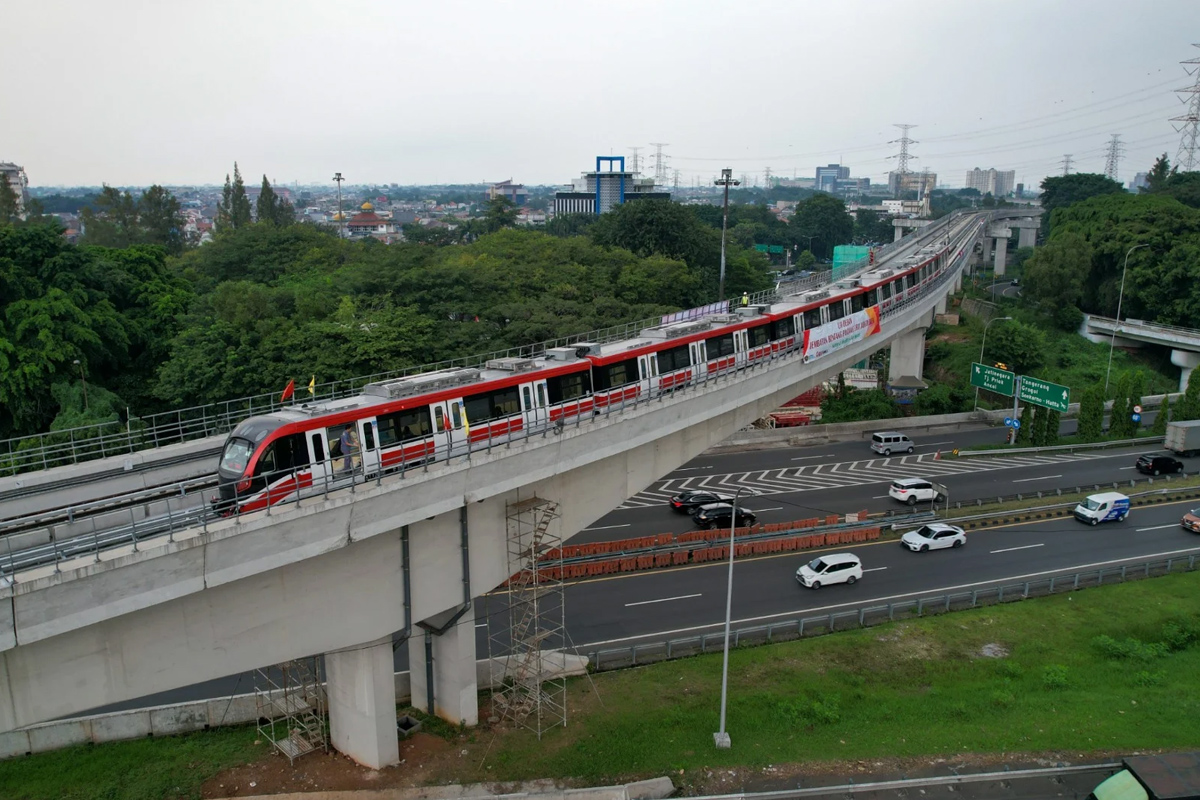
(721, 738)
(337, 176)
(83, 381)
(981, 346)
(725, 180)
(1112, 342)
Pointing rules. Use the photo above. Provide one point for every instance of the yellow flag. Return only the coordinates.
(312, 386)
(466, 425)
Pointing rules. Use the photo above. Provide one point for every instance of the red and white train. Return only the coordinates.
(397, 424)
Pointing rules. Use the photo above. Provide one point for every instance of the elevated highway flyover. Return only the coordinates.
(340, 573)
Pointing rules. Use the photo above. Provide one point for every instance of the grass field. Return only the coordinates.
(1110, 669)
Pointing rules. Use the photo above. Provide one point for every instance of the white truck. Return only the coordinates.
(1183, 437)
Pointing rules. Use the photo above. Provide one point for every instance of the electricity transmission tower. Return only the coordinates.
(635, 163)
(1189, 129)
(903, 156)
(1066, 164)
(1113, 159)
(767, 178)
(660, 164)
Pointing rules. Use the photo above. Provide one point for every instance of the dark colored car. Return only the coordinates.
(1158, 465)
(687, 502)
(1015, 282)
(718, 515)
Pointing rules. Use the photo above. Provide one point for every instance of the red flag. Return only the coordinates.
(289, 391)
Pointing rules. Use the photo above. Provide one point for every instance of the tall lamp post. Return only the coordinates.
(337, 176)
(725, 180)
(721, 738)
(1120, 298)
(981, 346)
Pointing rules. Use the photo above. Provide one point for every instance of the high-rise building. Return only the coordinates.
(829, 175)
(597, 192)
(920, 182)
(995, 182)
(514, 192)
(1138, 183)
(17, 181)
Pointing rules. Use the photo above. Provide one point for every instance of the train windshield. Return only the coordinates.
(236, 455)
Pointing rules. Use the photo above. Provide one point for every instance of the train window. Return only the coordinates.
(836, 310)
(872, 297)
(885, 291)
(568, 387)
(610, 376)
(673, 359)
(812, 318)
(403, 426)
(783, 328)
(720, 346)
(759, 336)
(526, 397)
(541, 395)
(368, 436)
(441, 418)
(456, 414)
(910, 281)
(856, 303)
(283, 455)
(318, 448)
(236, 455)
(493, 405)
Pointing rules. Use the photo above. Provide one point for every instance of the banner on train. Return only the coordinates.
(833, 336)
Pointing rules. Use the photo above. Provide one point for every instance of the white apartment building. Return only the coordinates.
(995, 182)
(18, 180)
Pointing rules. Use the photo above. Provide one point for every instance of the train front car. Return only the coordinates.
(236, 481)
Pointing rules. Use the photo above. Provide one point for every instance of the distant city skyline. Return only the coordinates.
(470, 92)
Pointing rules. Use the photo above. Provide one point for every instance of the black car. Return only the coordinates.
(1157, 465)
(717, 515)
(687, 502)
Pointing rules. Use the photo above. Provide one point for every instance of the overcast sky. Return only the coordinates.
(134, 93)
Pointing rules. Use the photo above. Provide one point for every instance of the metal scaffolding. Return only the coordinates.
(290, 700)
(529, 685)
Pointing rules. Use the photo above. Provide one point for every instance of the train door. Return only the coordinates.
(741, 347)
(648, 372)
(318, 453)
(533, 404)
(450, 434)
(699, 355)
(368, 437)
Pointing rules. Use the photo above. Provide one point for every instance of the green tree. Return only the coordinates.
(1053, 421)
(858, 404)
(1056, 273)
(1025, 432)
(805, 261)
(1091, 414)
(10, 202)
(566, 225)
(942, 398)
(1120, 426)
(820, 223)
(161, 220)
(1137, 386)
(500, 213)
(1159, 428)
(113, 220)
(1022, 347)
(224, 221)
(1037, 437)
(1188, 407)
(1159, 174)
(239, 204)
(266, 207)
(1060, 192)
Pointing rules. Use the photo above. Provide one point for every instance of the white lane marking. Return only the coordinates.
(760, 510)
(685, 469)
(663, 600)
(1126, 467)
(940, 591)
(1023, 547)
(805, 458)
(1038, 478)
(875, 569)
(480, 624)
(934, 444)
(1158, 527)
(609, 527)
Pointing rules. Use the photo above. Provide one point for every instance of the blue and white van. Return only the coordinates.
(1097, 508)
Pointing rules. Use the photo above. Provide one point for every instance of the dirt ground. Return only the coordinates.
(431, 760)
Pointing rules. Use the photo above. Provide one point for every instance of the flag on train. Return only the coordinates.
(466, 425)
(312, 386)
(289, 391)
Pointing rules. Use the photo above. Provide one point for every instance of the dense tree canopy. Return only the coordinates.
(1064, 190)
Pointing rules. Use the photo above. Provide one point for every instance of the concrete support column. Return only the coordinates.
(1027, 237)
(1001, 255)
(1187, 361)
(958, 276)
(449, 658)
(899, 234)
(362, 703)
(940, 308)
(908, 355)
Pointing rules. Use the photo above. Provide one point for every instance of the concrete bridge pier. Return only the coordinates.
(1001, 254)
(940, 308)
(899, 234)
(907, 356)
(1187, 361)
(1026, 237)
(362, 703)
(442, 650)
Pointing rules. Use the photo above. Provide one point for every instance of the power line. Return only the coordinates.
(1113, 159)
(1185, 157)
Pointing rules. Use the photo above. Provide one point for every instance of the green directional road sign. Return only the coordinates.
(994, 380)
(1044, 393)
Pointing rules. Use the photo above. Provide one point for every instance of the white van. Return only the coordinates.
(1097, 508)
(888, 442)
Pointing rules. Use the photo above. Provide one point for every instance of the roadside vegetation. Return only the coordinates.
(1110, 669)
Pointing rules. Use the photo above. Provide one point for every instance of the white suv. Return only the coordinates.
(915, 490)
(830, 568)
